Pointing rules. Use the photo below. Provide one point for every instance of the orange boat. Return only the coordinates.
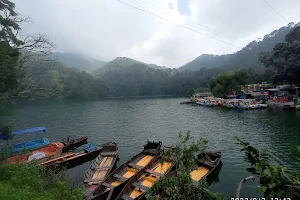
(52, 149)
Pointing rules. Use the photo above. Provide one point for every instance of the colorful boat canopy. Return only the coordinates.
(30, 130)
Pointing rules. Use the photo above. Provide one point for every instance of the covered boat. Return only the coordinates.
(52, 149)
(101, 167)
(207, 162)
(138, 186)
(115, 182)
(71, 159)
(33, 144)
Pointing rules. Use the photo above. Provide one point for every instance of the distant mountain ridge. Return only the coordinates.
(123, 62)
(248, 57)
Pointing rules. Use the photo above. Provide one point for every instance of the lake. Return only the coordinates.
(131, 122)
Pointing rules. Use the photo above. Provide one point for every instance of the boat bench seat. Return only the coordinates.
(138, 185)
(118, 176)
(101, 167)
(112, 153)
(93, 180)
(132, 165)
(126, 197)
(153, 172)
(108, 185)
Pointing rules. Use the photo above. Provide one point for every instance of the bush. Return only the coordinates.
(29, 182)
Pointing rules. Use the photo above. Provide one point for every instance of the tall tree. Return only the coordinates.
(15, 51)
(285, 58)
(8, 46)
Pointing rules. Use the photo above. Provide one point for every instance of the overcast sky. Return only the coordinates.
(106, 29)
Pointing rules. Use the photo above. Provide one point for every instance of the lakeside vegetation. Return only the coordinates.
(28, 181)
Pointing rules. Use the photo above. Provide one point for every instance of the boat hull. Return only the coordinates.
(70, 162)
(105, 160)
(207, 163)
(116, 181)
(144, 179)
(73, 143)
(39, 155)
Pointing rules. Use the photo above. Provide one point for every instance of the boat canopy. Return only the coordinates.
(30, 130)
(3, 137)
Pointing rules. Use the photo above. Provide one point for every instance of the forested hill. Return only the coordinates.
(248, 57)
(122, 62)
(74, 60)
(52, 80)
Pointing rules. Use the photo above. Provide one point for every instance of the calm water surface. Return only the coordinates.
(130, 122)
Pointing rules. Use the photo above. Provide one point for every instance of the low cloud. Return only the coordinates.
(107, 29)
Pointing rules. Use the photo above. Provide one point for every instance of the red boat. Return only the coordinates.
(52, 149)
(71, 143)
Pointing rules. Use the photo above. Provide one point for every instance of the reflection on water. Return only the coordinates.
(130, 122)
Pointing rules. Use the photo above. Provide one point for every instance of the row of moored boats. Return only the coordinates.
(103, 180)
(245, 104)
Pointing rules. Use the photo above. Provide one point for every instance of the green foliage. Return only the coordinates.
(9, 53)
(44, 80)
(284, 58)
(230, 82)
(26, 181)
(182, 186)
(275, 181)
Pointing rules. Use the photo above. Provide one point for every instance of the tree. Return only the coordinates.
(285, 58)
(14, 52)
(8, 54)
(230, 82)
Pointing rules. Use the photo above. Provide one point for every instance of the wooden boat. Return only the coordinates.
(206, 162)
(71, 143)
(115, 182)
(101, 167)
(138, 186)
(68, 144)
(71, 159)
(54, 148)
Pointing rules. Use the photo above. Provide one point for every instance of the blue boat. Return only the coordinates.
(29, 145)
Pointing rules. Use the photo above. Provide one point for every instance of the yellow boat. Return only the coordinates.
(138, 186)
(115, 182)
(207, 162)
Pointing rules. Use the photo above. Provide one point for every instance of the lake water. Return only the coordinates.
(131, 122)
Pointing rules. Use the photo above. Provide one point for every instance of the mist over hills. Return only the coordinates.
(75, 76)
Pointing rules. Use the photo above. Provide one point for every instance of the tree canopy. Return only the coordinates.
(284, 59)
(230, 81)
